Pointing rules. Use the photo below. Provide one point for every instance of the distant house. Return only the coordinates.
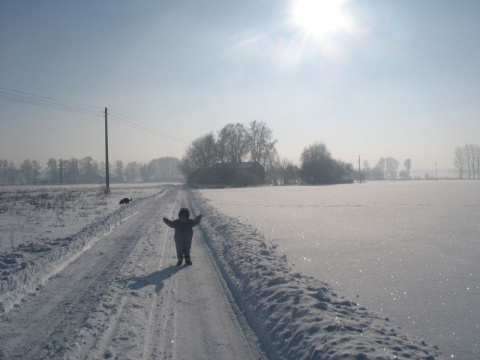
(229, 174)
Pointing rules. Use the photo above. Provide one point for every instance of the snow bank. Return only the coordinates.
(31, 264)
(297, 317)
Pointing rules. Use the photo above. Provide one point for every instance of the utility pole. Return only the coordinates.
(107, 175)
(436, 173)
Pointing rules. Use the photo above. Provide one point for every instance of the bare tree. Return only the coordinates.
(471, 153)
(318, 167)
(468, 159)
(408, 167)
(203, 150)
(72, 171)
(471, 159)
(283, 172)
(27, 171)
(391, 168)
(367, 172)
(52, 170)
(143, 170)
(164, 169)
(262, 146)
(89, 169)
(61, 164)
(36, 171)
(12, 173)
(290, 172)
(459, 160)
(132, 171)
(222, 145)
(477, 156)
(317, 164)
(118, 171)
(9, 172)
(234, 143)
(378, 172)
(200, 154)
(3, 171)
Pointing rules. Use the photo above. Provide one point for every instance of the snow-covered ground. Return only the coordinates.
(104, 285)
(406, 250)
(38, 214)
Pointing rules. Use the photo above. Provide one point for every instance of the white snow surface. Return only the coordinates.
(109, 289)
(407, 250)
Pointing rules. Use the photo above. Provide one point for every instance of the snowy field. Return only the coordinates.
(39, 214)
(83, 277)
(406, 250)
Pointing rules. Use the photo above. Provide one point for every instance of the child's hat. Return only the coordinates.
(184, 212)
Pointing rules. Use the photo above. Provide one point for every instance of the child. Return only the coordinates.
(183, 234)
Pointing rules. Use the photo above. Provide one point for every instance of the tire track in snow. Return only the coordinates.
(168, 328)
(140, 304)
(112, 325)
(152, 318)
(154, 329)
(185, 310)
(132, 310)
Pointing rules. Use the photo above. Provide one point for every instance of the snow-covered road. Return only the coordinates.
(124, 299)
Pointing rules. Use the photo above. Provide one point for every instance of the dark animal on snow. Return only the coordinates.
(125, 201)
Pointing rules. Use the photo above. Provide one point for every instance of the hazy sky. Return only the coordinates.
(379, 78)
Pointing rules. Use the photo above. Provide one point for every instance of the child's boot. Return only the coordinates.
(179, 262)
(188, 261)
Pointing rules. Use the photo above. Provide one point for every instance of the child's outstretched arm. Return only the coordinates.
(169, 222)
(197, 220)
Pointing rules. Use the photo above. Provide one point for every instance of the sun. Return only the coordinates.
(319, 18)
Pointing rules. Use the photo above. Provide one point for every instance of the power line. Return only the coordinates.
(57, 104)
(144, 127)
(48, 98)
(32, 99)
(47, 105)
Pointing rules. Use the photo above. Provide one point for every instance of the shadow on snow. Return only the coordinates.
(157, 278)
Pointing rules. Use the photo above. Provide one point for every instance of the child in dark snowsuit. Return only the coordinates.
(183, 234)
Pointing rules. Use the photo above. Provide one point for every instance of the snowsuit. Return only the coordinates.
(183, 235)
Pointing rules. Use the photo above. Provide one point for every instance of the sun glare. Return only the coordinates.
(319, 18)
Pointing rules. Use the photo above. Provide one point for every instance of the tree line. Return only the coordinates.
(467, 161)
(88, 171)
(386, 169)
(234, 143)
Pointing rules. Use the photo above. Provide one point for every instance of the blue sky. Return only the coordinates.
(402, 81)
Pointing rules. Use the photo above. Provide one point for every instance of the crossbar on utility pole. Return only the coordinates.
(107, 175)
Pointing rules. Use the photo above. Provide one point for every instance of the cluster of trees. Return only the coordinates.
(234, 143)
(87, 171)
(237, 143)
(386, 169)
(283, 172)
(318, 167)
(467, 161)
